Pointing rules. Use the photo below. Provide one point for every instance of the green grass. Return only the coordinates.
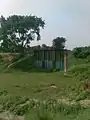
(36, 85)
(83, 115)
(72, 61)
(18, 88)
(40, 86)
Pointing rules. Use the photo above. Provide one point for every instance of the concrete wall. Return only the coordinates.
(49, 64)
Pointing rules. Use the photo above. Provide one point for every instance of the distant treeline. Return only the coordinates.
(81, 52)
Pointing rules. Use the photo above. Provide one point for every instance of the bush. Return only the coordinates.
(83, 95)
(81, 52)
(23, 63)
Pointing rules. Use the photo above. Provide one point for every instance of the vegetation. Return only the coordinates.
(59, 43)
(17, 32)
(36, 85)
(29, 94)
(81, 52)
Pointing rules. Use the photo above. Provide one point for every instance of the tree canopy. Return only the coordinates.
(81, 52)
(17, 32)
(59, 43)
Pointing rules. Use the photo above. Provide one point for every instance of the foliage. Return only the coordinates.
(17, 32)
(23, 63)
(81, 52)
(82, 95)
(18, 62)
(42, 110)
(59, 43)
(44, 46)
(21, 105)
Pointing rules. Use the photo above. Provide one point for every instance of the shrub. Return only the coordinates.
(23, 63)
(82, 95)
(81, 52)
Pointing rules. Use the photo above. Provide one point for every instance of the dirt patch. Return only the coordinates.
(85, 103)
(9, 116)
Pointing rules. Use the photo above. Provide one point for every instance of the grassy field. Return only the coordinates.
(35, 95)
(36, 85)
(22, 93)
(41, 86)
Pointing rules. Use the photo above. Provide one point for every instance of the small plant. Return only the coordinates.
(3, 92)
(82, 95)
(44, 115)
(21, 109)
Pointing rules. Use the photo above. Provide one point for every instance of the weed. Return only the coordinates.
(82, 95)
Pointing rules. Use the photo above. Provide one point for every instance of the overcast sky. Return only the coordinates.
(67, 18)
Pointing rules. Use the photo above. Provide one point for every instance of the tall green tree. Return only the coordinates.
(59, 43)
(17, 32)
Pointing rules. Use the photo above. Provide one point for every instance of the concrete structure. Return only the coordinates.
(51, 59)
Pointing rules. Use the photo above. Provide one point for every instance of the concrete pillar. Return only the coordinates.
(65, 61)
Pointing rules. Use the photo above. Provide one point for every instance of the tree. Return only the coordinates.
(17, 32)
(81, 52)
(44, 46)
(59, 43)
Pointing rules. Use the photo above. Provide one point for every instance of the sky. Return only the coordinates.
(64, 18)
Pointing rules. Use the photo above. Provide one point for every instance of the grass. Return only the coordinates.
(36, 85)
(37, 95)
(18, 87)
(83, 115)
(75, 61)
